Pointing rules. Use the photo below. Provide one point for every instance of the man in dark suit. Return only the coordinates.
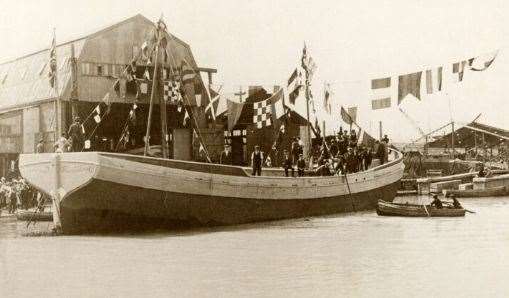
(288, 164)
(226, 156)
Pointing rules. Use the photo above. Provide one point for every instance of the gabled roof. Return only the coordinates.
(24, 80)
(466, 136)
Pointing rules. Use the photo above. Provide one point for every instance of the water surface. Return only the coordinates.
(349, 255)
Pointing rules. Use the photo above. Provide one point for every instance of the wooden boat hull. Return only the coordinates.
(410, 210)
(477, 193)
(114, 192)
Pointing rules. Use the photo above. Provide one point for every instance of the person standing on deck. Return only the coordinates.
(288, 164)
(296, 149)
(62, 144)
(40, 146)
(256, 161)
(76, 135)
(226, 156)
(301, 165)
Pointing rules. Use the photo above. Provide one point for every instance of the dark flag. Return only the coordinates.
(53, 63)
(409, 84)
(346, 117)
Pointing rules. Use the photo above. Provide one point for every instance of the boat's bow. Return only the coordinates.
(55, 171)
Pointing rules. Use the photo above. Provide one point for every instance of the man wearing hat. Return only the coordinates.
(288, 164)
(76, 135)
(226, 156)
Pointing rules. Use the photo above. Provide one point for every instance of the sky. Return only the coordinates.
(260, 43)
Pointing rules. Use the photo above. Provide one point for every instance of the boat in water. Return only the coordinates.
(100, 192)
(413, 210)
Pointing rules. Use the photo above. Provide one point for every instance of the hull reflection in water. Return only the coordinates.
(117, 192)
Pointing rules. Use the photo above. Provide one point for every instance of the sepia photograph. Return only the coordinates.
(222, 148)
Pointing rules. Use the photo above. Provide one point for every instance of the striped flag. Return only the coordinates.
(434, 80)
(459, 68)
(346, 117)
(295, 84)
(53, 63)
(381, 93)
(188, 73)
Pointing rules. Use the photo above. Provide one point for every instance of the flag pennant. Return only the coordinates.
(98, 109)
(106, 99)
(381, 93)
(277, 105)
(171, 92)
(434, 80)
(459, 68)
(409, 84)
(188, 73)
(352, 112)
(262, 113)
(97, 118)
(327, 106)
(346, 117)
(234, 112)
(53, 63)
(480, 63)
(211, 107)
(186, 118)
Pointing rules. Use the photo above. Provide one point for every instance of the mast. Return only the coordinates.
(452, 139)
(58, 103)
(151, 106)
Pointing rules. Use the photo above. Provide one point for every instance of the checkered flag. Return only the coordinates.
(262, 113)
(172, 92)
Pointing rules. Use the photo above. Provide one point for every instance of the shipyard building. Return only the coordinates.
(87, 69)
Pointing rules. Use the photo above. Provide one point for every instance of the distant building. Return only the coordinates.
(87, 69)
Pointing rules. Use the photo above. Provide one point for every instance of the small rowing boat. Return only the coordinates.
(412, 210)
(29, 215)
(477, 193)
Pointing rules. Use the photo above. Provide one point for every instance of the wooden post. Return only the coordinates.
(452, 140)
(164, 122)
(56, 193)
(58, 103)
(74, 87)
(380, 129)
(151, 106)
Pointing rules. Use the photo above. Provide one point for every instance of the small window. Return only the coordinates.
(99, 70)
(85, 68)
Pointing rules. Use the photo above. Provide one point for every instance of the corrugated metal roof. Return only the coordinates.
(26, 80)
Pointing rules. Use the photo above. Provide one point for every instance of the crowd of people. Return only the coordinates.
(17, 194)
(336, 155)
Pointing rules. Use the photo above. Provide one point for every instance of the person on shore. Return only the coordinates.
(226, 156)
(436, 202)
(76, 135)
(301, 165)
(256, 161)
(288, 164)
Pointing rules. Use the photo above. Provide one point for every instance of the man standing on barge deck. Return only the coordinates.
(256, 161)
